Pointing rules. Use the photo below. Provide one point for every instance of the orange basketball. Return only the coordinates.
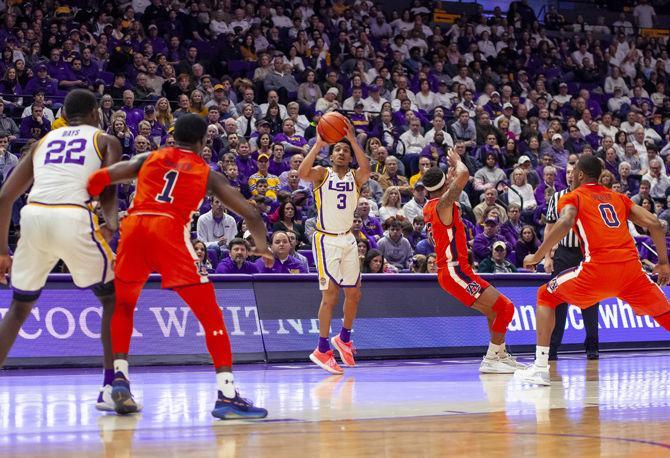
(332, 127)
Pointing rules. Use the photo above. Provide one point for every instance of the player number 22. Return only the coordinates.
(170, 180)
(59, 152)
(341, 201)
(609, 216)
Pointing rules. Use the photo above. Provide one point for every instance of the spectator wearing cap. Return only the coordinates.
(36, 125)
(508, 114)
(483, 243)
(497, 262)
(329, 101)
(558, 152)
(272, 180)
(526, 165)
(493, 107)
(41, 82)
(284, 262)
(414, 207)
(158, 131)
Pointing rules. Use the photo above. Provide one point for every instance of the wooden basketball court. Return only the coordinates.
(618, 406)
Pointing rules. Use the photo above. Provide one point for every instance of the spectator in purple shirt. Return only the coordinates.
(35, 126)
(372, 227)
(246, 166)
(133, 115)
(284, 263)
(277, 163)
(292, 143)
(481, 246)
(236, 262)
(41, 82)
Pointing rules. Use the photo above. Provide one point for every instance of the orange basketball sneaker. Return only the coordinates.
(326, 361)
(345, 349)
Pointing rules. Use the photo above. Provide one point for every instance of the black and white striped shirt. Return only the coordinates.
(571, 240)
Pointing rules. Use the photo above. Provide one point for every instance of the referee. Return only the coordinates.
(567, 255)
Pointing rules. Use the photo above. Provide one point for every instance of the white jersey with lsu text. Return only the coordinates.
(57, 222)
(336, 201)
(334, 246)
(62, 163)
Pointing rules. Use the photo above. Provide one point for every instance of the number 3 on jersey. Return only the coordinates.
(170, 180)
(609, 216)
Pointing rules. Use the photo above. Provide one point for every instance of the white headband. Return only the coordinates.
(437, 186)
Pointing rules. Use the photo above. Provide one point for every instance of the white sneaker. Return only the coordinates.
(495, 366)
(511, 361)
(105, 403)
(534, 375)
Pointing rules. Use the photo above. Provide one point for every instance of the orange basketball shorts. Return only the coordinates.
(589, 283)
(157, 244)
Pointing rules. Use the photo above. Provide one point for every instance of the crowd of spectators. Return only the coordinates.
(518, 99)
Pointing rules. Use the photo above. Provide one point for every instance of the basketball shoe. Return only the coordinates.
(105, 402)
(326, 361)
(502, 364)
(534, 375)
(345, 349)
(236, 408)
(124, 403)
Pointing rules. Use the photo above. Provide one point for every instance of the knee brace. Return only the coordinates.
(504, 313)
(546, 299)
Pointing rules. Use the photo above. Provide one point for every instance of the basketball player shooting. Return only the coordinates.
(444, 227)
(611, 265)
(336, 191)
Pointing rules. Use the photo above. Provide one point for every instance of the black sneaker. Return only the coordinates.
(123, 399)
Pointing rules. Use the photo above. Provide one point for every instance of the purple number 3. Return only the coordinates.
(341, 201)
(61, 152)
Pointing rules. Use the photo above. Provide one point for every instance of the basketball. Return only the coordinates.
(332, 127)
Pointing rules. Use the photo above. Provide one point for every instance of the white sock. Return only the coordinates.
(121, 365)
(495, 350)
(541, 356)
(226, 384)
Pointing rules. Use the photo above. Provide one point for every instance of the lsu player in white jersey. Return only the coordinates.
(336, 191)
(58, 222)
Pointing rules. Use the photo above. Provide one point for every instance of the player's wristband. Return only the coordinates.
(98, 181)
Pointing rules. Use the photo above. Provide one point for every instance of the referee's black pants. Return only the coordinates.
(566, 258)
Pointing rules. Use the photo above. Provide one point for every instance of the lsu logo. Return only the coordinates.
(552, 286)
(341, 186)
(473, 289)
